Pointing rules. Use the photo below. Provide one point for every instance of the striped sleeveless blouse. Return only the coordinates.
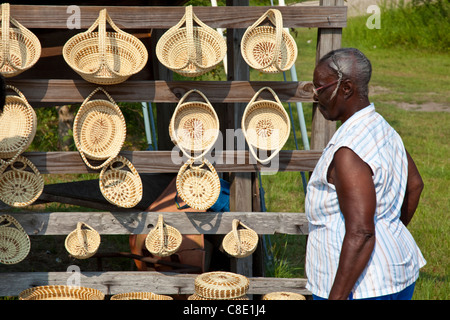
(396, 259)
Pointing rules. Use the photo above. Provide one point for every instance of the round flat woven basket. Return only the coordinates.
(240, 243)
(99, 130)
(140, 296)
(194, 126)
(282, 295)
(20, 48)
(18, 123)
(269, 48)
(191, 50)
(14, 241)
(105, 57)
(266, 125)
(60, 292)
(163, 240)
(220, 285)
(198, 187)
(21, 186)
(197, 297)
(83, 242)
(119, 185)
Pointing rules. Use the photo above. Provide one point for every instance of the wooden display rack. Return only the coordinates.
(67, 87)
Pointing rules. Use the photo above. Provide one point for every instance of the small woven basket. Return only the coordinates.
(14, 241)
(105, 57)
(83, 242)
(197, 297)
(140, 296)
(194, 126)
(59, 292)
(282, 295)
(240, 243)
(20, 48)
(266, 125)
(163, 240)
(269, 48)
(121, 187)
(20, 187)
(191, 50)
(198, 187)
(220, 285)
(99, 130)
(17, 127)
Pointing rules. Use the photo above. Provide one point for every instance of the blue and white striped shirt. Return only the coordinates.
(396, 259)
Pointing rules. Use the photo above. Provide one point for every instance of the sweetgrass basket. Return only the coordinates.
(198, 187)
(99, 130)
(18, 123)
(163, 240)
(83, 242)
(269, 48)
(221, 285)
(191, 50)
(197, 297)
(20, 186)
(121, 185)
(60, 292)
(14, 241)
(265, 125)
(283, 295)
(194, 126)
(240, 243)
(105, 57)
(20, 48)
(140, 296)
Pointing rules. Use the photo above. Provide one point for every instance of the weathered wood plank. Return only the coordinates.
(113, 282)
(62, 223)
(133, 17)
(170, 161)
(75, 91)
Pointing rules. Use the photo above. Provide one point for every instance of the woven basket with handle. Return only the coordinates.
(198, 187)
(140, 296)
(99, 130)
(163, 240)
(240, 243)
(269, 48)
(60, 292)
(14, 241)
(121, 185)
(20, 48)
(83, 242)
(191, 50)
(194, 126)
(221, 285)
(105, 57)
(20, 186)
(18, 123)
(266, 125)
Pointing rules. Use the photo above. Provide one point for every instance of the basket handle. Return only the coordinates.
(160, 227)
(235, 225)
(80, 235)
(11, 221)
(5, 33)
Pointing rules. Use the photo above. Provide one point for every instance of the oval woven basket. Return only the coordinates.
(140, 296)
(163, 240)
(240, 243)
(20, 48)
(198, 187)
(18, 123)
(194, 126)
(21, 186)
(119, 185)
(220, 285)
(269, 48)
(105, 57)
(283, 295)
(83, 242)
(197, 297)
(191, 50)
(266, 125)
(14, 241)
(59, 292)
(99, 130)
